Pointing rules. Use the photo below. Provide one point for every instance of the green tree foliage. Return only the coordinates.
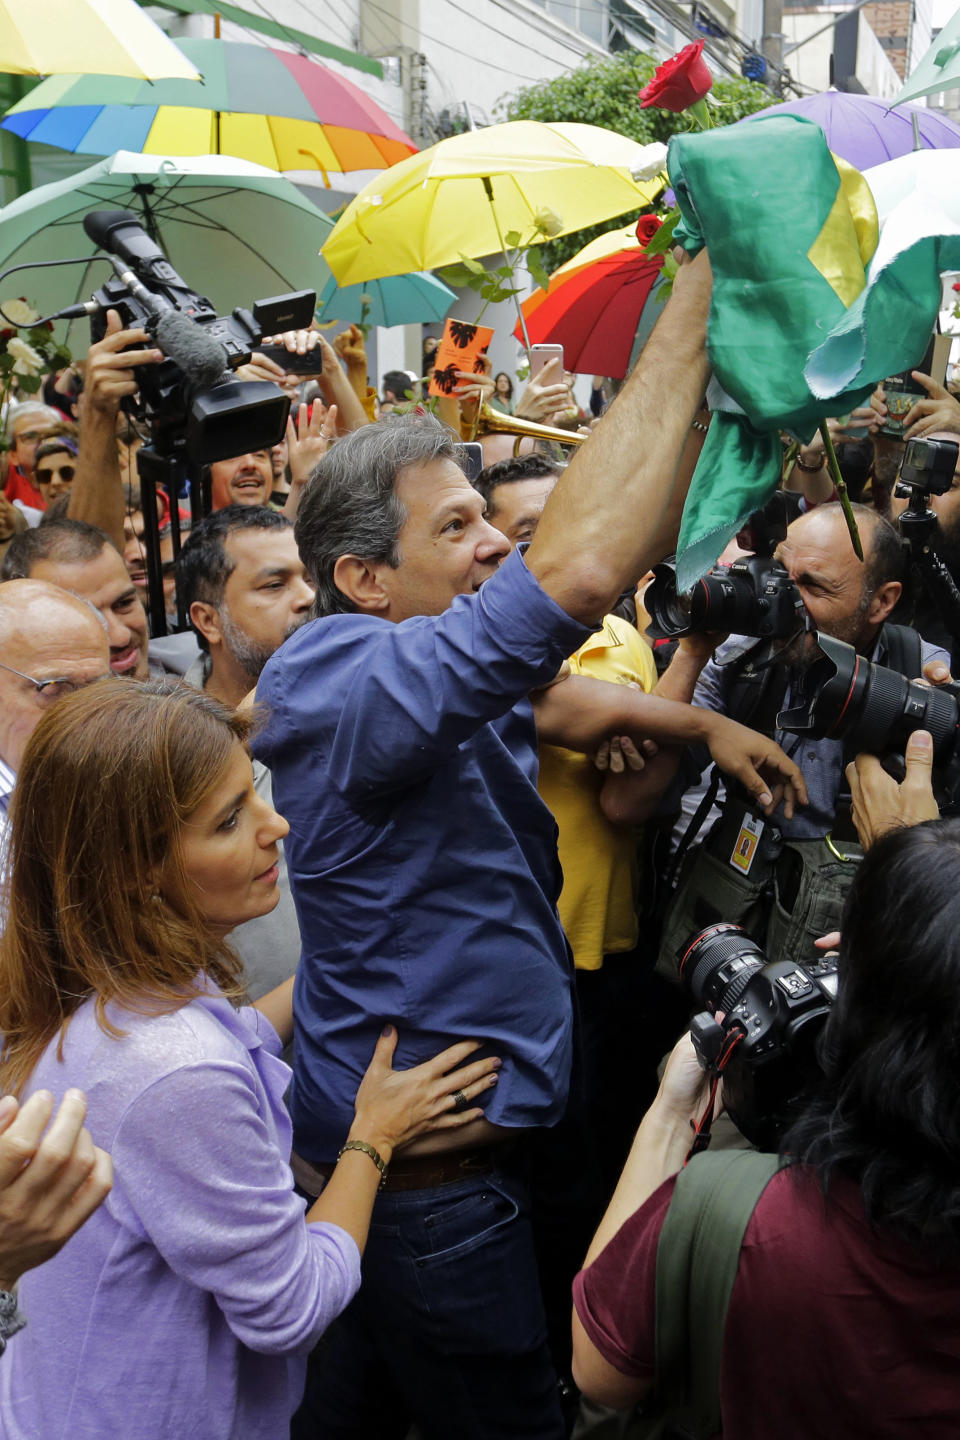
(604, 92)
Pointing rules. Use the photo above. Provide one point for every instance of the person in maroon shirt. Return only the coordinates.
(845, 1314)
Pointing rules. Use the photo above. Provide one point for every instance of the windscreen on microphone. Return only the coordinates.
(201, 358)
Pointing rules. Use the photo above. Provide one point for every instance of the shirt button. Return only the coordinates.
(811, 754)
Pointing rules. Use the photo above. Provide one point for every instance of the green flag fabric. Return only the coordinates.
(790, 231)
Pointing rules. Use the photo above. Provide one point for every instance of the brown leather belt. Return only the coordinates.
(417, 1172)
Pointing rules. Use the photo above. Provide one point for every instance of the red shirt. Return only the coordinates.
(834, 1332)
(18, 487)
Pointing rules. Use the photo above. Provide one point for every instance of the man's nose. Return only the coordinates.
(493, 545)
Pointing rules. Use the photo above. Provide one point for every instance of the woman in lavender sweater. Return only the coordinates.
(186, 1305)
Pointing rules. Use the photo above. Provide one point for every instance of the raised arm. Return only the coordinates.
(611, 515)
(96, 494)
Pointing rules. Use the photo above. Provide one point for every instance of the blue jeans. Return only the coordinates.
(447, 1330)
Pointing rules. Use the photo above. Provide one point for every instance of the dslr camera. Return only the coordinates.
(753, 596)
(764, 1047)
(191, 400)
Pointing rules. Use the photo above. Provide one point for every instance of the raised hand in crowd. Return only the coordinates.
(351, 350)
(545, 397)
(939, 411)
(50, 1183)
(96, 494)
(307, 442)
(330, 375)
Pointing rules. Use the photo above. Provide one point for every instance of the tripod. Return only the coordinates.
(170, 471)
(919, 529)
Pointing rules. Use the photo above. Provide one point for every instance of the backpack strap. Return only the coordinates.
(904, 650)
(697, 1258)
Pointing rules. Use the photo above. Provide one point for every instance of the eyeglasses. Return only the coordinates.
(66, 472)
(49, 691)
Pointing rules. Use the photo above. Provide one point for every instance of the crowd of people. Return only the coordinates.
(341, 921)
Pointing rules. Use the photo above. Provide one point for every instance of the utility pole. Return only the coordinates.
(773, 37)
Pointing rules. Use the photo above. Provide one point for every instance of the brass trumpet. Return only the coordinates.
(494, 422)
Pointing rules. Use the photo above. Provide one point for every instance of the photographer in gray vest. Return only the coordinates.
(783, 878)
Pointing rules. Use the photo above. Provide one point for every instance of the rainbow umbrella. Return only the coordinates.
(275, 109)
(596, 304)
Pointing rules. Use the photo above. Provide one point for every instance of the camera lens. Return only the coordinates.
(717, 965)
(873, 708)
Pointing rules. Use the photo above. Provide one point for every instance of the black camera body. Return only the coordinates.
(773, 1012)
(191, 400)
(753, 596)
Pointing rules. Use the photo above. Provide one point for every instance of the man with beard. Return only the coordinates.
(244, 592)
(784, 880)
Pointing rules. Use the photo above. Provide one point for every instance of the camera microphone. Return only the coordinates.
(201, 358)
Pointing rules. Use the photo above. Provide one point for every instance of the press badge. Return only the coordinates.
(747, 841)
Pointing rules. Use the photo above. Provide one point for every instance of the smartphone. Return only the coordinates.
(309, 364)
(471, 458)
(541, 355)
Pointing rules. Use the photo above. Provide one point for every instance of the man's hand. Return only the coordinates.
(48, 1186)
(108, 373)
(545, 396)
(879, 803)
(758, 763)
(939, 411)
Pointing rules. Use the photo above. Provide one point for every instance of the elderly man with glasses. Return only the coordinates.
(51, 643)
(27, 426)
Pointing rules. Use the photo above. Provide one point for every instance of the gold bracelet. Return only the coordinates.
(374, 1154)
(699, 425)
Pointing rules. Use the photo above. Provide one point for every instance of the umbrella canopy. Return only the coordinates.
(105, 37)
(593, 307)
(462, 196)
(394, 300)
(272, 108)
(862, 129)
(939, 68)
(234, 231)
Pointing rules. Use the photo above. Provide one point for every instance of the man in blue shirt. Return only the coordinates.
(423, 864)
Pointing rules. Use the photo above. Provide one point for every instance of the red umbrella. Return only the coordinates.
(594, 311)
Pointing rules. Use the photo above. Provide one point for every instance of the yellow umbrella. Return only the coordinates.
(464, 195)
(102, 37)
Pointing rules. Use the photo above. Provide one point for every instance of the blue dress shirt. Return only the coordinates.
(423, 862)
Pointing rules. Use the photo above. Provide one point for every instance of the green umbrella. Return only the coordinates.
(234, 231)
(940, 67)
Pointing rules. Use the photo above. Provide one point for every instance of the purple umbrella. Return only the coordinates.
(863, 131)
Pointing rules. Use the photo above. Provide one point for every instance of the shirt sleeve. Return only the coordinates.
(615, 1297)
(211, 1191)
(429, 684)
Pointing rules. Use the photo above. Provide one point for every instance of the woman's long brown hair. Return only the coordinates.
(108, 778)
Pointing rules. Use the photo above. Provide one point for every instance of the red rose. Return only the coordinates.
(647, 227)
(679, 81)
(956, 284)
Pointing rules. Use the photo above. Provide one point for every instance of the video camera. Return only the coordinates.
(773, 1011)
(191, 400)
(753, 596)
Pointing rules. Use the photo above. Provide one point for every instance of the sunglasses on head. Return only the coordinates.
(66, 472)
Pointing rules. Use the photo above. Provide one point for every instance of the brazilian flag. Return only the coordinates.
(791, 230)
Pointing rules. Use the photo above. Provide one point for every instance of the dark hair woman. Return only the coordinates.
(844, 1317)
(502, 397)
(187, 1302)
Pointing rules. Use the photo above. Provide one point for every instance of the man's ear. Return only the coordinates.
(360, 581)
(206, 618)
(883, 601)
